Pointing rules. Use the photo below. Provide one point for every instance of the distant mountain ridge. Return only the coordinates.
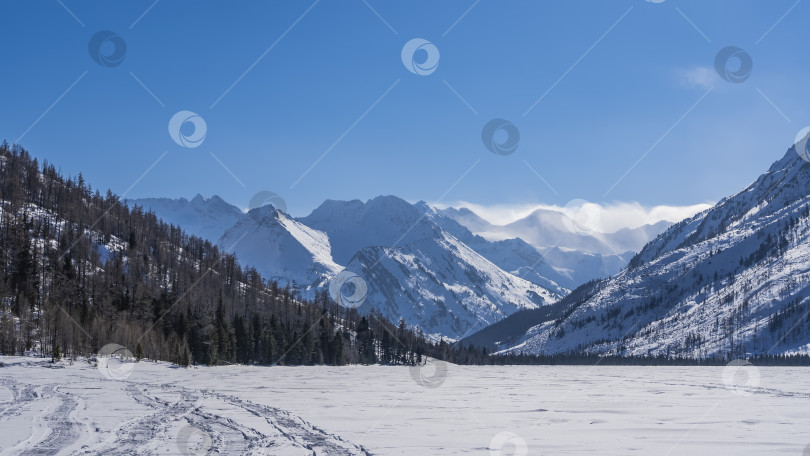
(419, 263)
(547, 228)
(205, 217)
(571, 257)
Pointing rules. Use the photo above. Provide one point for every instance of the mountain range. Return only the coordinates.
(418, 263)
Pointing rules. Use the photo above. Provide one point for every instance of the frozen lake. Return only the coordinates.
(149, 408)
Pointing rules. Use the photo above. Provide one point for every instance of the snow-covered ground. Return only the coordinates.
(154, 408)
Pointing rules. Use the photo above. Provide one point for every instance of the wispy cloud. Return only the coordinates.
(611, 217)
(699, 76)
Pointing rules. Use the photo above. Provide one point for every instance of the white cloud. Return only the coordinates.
(700, 76)
(609, 217)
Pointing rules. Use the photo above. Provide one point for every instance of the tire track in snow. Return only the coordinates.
(146, 434)
(226, 435)
(134, 436)
(295, 428)
(151, 432)
(22, 396)
(62, 429)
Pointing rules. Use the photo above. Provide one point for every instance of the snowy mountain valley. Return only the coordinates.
(418, 262)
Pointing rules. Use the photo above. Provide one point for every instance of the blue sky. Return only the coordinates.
(283, 85)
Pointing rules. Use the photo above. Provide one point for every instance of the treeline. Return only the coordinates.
(576, 359)
(81, 270)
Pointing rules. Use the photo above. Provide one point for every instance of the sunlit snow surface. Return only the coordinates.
(540, 410)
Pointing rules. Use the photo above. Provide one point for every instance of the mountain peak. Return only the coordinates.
(266, 213)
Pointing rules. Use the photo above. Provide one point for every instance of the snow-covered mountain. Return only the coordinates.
(512, 255)
(575, 267)
(418, 265)
(547, 228)
(417, 262)
(443, 286)
(207, 218)
(468, 219)
(352, 225)
(570, 256)
(733, 279)
(410, 257)
(281, 248)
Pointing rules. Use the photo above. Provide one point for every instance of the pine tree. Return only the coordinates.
(365, 343)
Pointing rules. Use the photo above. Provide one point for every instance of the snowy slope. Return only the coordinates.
(207, 218)
(416, 269)
(568, 257)
(443, 286)
(512, 255)
(733, 279)
(281, 248)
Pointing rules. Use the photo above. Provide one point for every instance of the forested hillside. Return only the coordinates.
(81, 270)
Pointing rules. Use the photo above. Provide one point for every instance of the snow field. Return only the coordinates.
(441, 409)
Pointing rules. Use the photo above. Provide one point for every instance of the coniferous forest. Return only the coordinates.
(82, 270)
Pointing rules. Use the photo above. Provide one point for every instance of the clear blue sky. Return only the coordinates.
(608, 99)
